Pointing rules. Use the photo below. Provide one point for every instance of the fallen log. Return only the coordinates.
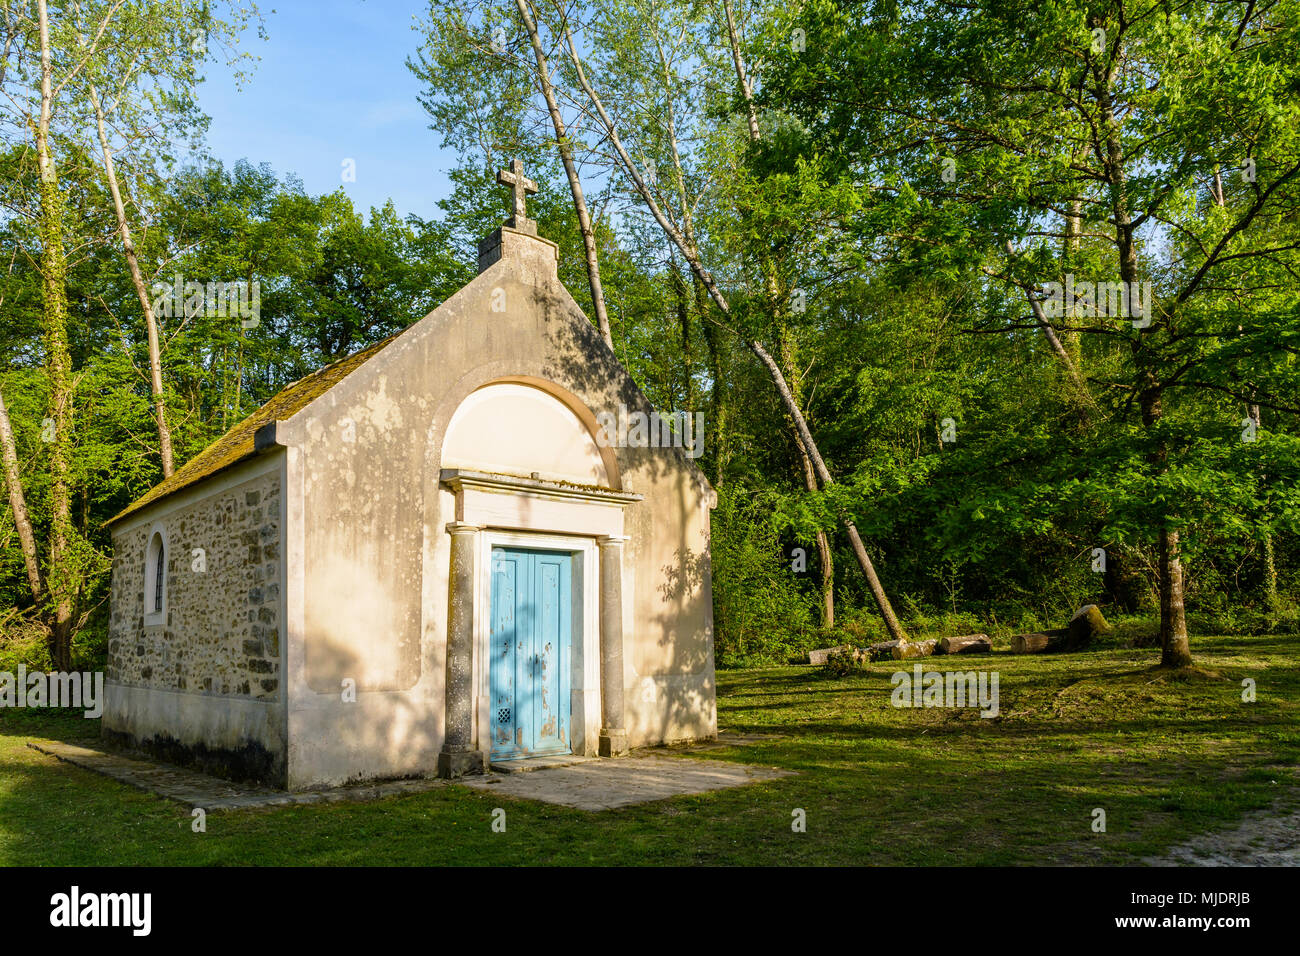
(1037, 642)
(876, 652)
(965, 644)
(1085, 624)
(907, 650)
(822, 654)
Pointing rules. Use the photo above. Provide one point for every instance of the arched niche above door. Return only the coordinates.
(516, 428)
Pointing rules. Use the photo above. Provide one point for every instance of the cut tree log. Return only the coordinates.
(876, 652)
(905, 650)
(1036, 642)
(966, 644)
(822, 654)
(1085, 624)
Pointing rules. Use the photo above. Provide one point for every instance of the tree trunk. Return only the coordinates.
(571, 171)
(18, 503)
(239, 380)
(683, 312)
(1270, 571)
(1270, 565)
(886, 609)
(756, 347)
(1038, 642)
(1073, 341)
(54, 297)
(1053, 340)
(716, 431)
(825, 559)
(828, 579)
(965, 644)
(810, 482)
(746, 91)
(141, 291)
(1175, 651)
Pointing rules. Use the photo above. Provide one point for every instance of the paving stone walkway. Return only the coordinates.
(586, 783)
(195, 789)
(607, 784)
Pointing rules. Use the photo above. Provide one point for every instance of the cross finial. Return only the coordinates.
(522, 187)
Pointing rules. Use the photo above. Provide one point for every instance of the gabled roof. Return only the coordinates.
(236, 445)
(239, 444)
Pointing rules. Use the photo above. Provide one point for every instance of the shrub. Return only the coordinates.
(843, 663)
(23, 642)
(761, 614)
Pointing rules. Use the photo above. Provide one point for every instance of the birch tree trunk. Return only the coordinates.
(746, 90)
(18, 504)
(824, 557)
(1049, 333)
(756, 347)
(716, 430)
(141, 291)
(1270, 562)
(571, 171)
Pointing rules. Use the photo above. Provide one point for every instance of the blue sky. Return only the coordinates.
(331, 84)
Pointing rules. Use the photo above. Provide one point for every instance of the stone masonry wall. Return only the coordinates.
(223, 630)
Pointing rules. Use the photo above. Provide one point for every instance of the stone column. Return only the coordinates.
(458, 756)
(613, 727)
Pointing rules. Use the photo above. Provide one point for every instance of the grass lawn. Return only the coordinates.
(1166, 755)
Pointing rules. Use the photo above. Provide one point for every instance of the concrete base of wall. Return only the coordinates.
(670, 709)
(230, 737)
(382, 735)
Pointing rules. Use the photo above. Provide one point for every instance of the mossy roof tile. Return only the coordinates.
(236, 445)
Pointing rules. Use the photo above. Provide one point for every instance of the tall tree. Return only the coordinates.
(528, 18)
(1124, 89)
(62, 582)
(754, 344)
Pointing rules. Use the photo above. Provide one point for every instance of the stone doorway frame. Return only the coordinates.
(495, 509)
(584, 645)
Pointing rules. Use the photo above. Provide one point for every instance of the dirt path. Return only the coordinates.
(1263, 838)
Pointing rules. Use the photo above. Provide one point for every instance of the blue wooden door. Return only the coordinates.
(531, 618)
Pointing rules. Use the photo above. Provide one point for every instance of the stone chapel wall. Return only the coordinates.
(222, 634)
(182, 688)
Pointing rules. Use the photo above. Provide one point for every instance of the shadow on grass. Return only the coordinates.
(1167, 758)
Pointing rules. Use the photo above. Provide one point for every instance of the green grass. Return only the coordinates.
(1168, 756)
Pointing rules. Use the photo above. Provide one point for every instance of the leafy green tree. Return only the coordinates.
(1027, 140)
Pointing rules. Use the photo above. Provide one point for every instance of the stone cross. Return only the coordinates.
(522, 187)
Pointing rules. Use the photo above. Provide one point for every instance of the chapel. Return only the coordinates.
(426, 558)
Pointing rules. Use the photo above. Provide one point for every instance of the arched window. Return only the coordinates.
(160, 565)
(155, 578)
